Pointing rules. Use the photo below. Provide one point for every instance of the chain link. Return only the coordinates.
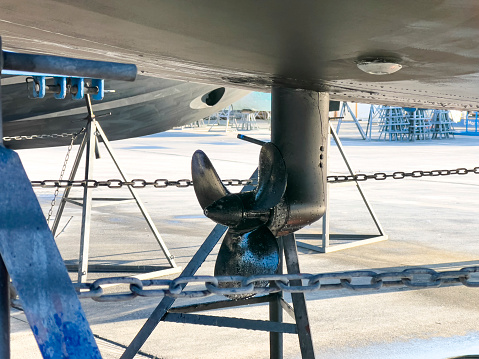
(64, 167)
(183, 183)
(379, 176)
(38, 137)
(135, 183)
(414, 278)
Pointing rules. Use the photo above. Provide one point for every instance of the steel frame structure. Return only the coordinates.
(349, 240)
(89, 147)
(345, 107)
(165, 312)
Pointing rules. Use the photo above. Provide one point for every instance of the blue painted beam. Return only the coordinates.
(37, 269)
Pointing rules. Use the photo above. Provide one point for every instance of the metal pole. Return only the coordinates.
(355, 119)
(276, 314)
(139, 203)
(370, 122)
(340, 118)
(299, 301)
(351, 172)
(250, 139)
(73, 172)
(57, 65)
(87, 196)
(299, 127)
(166, 303)
(325, 234)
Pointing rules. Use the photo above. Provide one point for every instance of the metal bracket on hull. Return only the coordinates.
(78, 87)
(90, 143)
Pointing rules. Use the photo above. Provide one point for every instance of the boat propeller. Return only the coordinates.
(249, 247)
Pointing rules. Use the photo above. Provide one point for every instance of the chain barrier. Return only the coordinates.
(183, 183)
(38, 137)
(64, 167)
(135, 183)
(379, 176)
(413, 278)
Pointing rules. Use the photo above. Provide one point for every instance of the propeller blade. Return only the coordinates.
(272, 178)
(247, 254)
(206, 182)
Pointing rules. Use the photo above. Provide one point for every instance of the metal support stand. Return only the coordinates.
(352, 240)
(299, 302)
(90, 141)
(369, 128)
(165, 312)
(226, 114)
(345, 107)
(276, 313)
(36, 267)
(248, 120)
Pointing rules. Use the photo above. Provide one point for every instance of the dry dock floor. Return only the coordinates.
(431, 222)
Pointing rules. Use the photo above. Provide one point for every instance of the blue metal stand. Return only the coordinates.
(37, 270)
(27, 248)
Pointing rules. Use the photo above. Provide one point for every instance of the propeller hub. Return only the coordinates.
(227, 211)
(237, 211)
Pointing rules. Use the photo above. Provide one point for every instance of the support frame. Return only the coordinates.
(345, 107)
(326, 236)
(90, 144)
(165, 313)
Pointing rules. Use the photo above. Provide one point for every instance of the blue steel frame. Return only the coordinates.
(28, 252)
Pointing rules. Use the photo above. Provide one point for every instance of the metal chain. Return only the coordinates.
(416, 278)
(401, 175)
(36, 137)
(64, 167)
(135, 183)
(183, 183)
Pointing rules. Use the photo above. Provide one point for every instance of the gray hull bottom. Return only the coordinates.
(146, 106)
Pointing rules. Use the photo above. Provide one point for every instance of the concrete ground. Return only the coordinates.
(430, 222)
